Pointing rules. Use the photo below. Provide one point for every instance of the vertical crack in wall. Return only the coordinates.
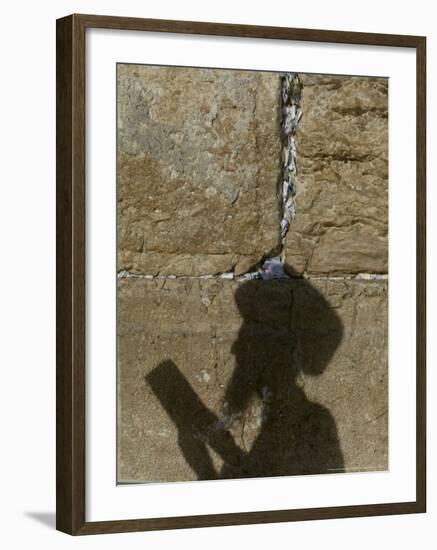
(273, 268)
(291, 115)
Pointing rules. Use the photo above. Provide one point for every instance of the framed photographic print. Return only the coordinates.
(240, 274)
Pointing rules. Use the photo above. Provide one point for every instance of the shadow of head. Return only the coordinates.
(286, 321)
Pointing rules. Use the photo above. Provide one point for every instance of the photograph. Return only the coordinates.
(252, 273)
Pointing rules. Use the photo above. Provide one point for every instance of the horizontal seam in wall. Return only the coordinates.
(245, 277)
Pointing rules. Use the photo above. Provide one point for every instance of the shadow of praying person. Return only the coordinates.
(288, 330)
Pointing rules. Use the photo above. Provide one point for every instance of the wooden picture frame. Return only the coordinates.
(71, 303)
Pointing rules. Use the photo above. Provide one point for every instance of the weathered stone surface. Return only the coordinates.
(199, 158)
(341, 201)
(233, 379)
(225, 379)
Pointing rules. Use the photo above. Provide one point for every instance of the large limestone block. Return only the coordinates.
(199, 158)
(341, 201)
(227, 379)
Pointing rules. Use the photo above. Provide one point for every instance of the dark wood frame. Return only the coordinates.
(70, 275)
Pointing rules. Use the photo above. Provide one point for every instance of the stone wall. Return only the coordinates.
(220, 374)
(341, 222)
(199, 162)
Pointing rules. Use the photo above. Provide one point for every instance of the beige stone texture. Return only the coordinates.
(222, 379)
(341, 222)
(199, 163)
